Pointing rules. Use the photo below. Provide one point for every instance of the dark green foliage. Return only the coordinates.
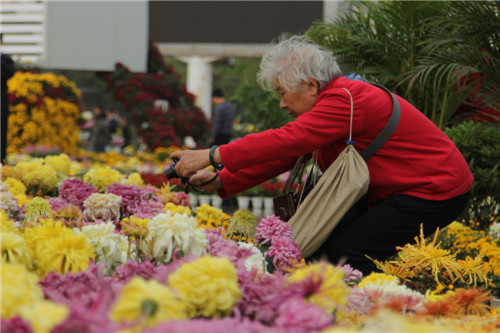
(480, 145)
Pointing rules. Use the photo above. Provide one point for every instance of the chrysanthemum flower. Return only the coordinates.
(19, 288)
(57, 203)
(176, 209)
(7, 201)
(242, 225)
(15, 249)
(75, 191)
(132, 229)
(15, 186)
(37, 236)
(166, 194)
(6, 224)
(298, 315)
(102, 177)
(36, 208)
(474, 269)
(396, 297)
(216, 290)
(99, 206)
(178, 231)
(271, 226)
(378, 279)
(41, 180)
(43, 315)
(256, 260)
(284, 252)
(110, 247)
(205, 213)
(332, 291)
(60, 163)
(470, 301)
(65, 253)
(147, 303)
(134, 178)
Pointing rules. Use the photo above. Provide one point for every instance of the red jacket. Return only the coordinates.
(418, 159)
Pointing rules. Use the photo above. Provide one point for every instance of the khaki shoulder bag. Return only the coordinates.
(338, 189)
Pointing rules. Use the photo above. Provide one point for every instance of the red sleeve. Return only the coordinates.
(249, 177)
(326, 122)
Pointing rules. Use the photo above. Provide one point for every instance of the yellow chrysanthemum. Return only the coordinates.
(6, 225)
(41, 180)
(65, 253)
(147, 303)
(101, 177)
(474, 270)
(379, 279)
(19, 288)
(216, 290)
(176, 209)
(135, 178)
(139, 221)
(36, 208)
(37, 236)
(16, 187)
(206, 213)
(44, 315)
(15, 249)
(60, 163)
(243, 225)
(332, 292)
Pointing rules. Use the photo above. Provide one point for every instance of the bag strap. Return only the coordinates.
(386, 133)
(297, 170)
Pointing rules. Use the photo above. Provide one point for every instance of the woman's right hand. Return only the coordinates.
(204, 176)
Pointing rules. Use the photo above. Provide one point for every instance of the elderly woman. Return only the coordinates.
(417, 177)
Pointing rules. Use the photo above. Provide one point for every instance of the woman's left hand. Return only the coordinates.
(190, 161)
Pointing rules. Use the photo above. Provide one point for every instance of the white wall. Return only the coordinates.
(94, 35)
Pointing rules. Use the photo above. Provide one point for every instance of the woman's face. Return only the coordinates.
(297, 103)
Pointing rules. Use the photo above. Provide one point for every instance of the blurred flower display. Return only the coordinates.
(43, 111)
(104, 250)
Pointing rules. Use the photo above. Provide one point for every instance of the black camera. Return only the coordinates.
(170, 171)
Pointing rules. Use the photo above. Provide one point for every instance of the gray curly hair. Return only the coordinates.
(295, 60)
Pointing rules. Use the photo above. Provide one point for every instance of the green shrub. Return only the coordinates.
(480, 146)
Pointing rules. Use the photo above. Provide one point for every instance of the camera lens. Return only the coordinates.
(170, 171)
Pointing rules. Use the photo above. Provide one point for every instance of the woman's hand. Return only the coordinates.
(190, 161)
(204, 176)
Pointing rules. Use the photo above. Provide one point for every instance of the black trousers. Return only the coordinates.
(377, 232)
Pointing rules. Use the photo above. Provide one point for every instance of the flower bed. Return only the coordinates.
(93, 248)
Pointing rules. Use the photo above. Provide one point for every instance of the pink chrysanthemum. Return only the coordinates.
(75, 191)
(258, 294)
(183, 198)
(211, 325)
(298, 315)
(130, 194)
(148, 209)
(57, 203)
(351, 275)
(16, 325)
(284, 251)
(271, 226)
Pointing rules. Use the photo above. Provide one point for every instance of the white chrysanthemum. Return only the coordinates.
(178, 231)
(495, 230)
(109, 246)
(7, 200)
(386, 292)
(99, 206)
(256, 260)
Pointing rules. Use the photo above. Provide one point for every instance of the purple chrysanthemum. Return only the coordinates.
(131, 268)
(284, 252)
(148, 209)
(298, 315)
(75, 191)
(270, 227)
(351, 275)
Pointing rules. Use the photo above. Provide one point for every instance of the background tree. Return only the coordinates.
(422, 50)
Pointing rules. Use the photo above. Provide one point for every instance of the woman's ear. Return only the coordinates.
(313, 87)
